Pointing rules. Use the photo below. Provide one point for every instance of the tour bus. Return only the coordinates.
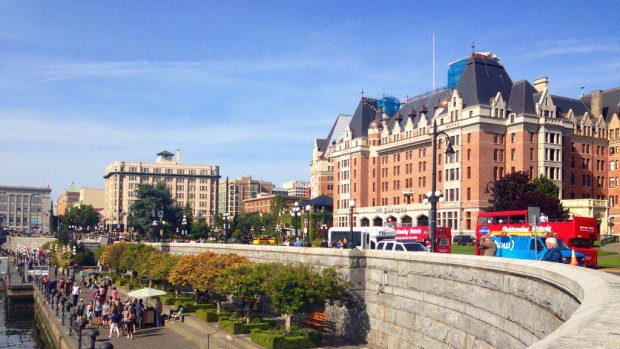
(421, 234)
(363, 237)
(579, 233)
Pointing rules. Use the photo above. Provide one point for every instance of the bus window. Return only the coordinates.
(517, 219)
(500, 219)
(399, 247)
(444, 242)
(389, 246)
(484, 220)
(578, 242)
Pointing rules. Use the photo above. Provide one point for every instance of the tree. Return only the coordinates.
(189, 218)
(244, 281)
(545, 186)
(134, 257)
(199, 228)
(551, 206)
(298, 287)
(507, 189)
(151, 200)
(82, 216)
(516, 192)
(112, 254)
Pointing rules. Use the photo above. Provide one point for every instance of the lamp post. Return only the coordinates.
(226, 217)
(296, 214)
(184, 226)
(434, 195)
(307, 243)
(351, 206)
(486, 191)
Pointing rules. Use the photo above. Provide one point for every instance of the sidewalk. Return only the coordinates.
(613, 247)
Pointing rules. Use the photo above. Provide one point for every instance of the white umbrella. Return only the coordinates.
(146, 293)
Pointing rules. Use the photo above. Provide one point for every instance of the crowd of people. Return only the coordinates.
(105, 308)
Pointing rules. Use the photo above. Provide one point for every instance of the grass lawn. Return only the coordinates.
(606, 253)
(613, 262)
(463, 249)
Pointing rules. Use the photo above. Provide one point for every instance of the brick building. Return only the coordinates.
(496, 126)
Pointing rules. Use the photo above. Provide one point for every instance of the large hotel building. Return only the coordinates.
(196, 184)
(383, 157)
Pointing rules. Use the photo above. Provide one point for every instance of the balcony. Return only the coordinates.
(408, 191)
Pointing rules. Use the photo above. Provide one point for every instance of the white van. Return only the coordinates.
(393, 245)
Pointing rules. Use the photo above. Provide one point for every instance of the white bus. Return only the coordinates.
(363, 237)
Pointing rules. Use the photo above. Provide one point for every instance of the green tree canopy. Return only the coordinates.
(516, 192)
(83, 216)
(151, 200)
(298, 287)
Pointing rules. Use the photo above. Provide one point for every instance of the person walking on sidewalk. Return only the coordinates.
(158, 310)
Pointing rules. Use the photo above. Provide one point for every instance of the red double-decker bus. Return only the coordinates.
(421, 234)
(579, 233)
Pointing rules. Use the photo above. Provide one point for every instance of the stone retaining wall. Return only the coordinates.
(423, 300)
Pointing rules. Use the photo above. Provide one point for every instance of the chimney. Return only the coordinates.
(597, 103)
(178, 156)
(541, 84)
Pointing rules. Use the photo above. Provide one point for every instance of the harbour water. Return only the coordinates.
(18, 328)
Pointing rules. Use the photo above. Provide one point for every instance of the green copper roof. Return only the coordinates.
(72, 189)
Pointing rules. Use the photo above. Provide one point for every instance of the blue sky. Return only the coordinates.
(249, 85)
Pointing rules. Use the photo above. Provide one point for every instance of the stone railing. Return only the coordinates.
(409, 300)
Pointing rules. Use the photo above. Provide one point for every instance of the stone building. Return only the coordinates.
(196, 184)
(383, 161)
(25, 209)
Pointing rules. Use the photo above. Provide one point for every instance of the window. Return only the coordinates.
(513, 154)
(531, 154)
(469, 138)
(513, 137)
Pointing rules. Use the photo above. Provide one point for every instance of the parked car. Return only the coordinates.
(464, 240)
(393, 245)
(245, 239)
(262, 240)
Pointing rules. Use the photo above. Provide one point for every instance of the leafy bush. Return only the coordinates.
(210, 315)
(294, 339)
(239, 326)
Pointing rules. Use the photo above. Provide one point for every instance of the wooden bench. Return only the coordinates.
(315, 319)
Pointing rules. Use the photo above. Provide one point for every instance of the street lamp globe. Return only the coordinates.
(352, 203)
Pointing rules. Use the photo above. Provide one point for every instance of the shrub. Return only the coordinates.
(239, 326)
(295, 339)
(210, 315)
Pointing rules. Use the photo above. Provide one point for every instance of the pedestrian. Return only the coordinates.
(114, 325)
(97, 309)
(345, 243)
(553, 253)
(324, 243)
(298, 243)
(105, 313)
(131, 319)
(139, 314)
(488, 246)
(76, 291)
(158, 310)
(80, 309)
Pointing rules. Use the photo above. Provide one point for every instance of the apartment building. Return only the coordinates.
(196, 184)
(383, 161)
(232, 193)
(25, 209)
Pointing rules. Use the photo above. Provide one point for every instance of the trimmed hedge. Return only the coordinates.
(296, 339)
(236, 327)
(211, 315)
